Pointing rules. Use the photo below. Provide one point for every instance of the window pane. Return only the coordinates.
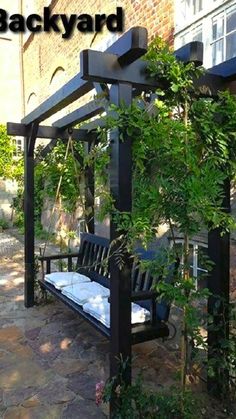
(231, 46)
(191, 254)
(217, 28)
(183, 10)
(198, 35)
(217, 52)
(231, 21)
(183, 40)
(197, 6)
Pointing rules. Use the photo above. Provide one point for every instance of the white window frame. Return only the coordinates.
(18, 144)
(199, 5)
(196, 245)
(211, 9)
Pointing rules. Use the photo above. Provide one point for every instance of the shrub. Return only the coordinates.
(3, 224)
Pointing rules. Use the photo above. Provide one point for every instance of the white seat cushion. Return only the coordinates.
(100, 309)
(63, 279)
(82, 293)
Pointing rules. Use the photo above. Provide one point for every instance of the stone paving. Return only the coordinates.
(51, 360)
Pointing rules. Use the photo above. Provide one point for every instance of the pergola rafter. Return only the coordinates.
(121, 66)
(128, 48)
(91, 109)
(47, 132)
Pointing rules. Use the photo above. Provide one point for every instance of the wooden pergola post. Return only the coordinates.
(29, 144)
(89, 193)
(121, 190)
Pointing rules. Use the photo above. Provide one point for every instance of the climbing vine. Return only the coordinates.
(183, 147)
(48, 172)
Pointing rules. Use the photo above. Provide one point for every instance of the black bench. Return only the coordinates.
(93, 252)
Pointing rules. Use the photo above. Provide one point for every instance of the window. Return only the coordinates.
(18, 146)
(218, 39)
(213, 23)
(194, 35)
(224, 36)
(197, 34)
(231, 33)
(197, 6)
(198, 254)
(187, 9)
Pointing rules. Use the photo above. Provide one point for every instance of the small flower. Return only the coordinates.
(99, 392)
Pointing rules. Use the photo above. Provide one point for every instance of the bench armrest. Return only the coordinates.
(147, 295)
(59, 256)
(144, 295)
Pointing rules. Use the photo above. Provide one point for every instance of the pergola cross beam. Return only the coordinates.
(46, 132)
(98, 66)
(129, 47)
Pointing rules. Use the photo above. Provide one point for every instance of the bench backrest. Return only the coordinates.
(144, 281)
(94, 252)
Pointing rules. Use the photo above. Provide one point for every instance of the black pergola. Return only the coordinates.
(120, 65)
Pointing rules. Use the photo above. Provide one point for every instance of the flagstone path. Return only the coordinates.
(51, 360)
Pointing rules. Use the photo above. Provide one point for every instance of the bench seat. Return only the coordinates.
(140, 332)
(94, 250)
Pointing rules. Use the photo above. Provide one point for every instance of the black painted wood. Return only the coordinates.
(218, 284)
(89, 193)
(49, 147)
(46, 132)
(93, 252)
(138, 39)
(99, 66)
(120, 63)
(32, 138)
(227, 69)
(101, 89)
(93, 125)
(140, 333)
(128, 47)
(191, 52)
(121, 191)
(29, 221)
(67, 94)
(209, 85)
(91, 109)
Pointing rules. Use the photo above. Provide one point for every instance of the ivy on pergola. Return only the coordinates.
(120, 65)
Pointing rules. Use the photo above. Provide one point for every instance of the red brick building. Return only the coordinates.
(49, 61)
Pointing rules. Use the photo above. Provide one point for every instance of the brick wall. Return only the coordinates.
(10, 80)
(44, 53)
